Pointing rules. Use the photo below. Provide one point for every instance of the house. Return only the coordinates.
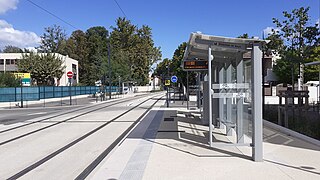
(8, 63)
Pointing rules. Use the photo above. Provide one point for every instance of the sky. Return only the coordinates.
(22, 22)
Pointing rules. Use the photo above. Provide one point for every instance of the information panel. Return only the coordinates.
(195, 65)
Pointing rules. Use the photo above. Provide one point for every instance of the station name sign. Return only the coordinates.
(195, 65)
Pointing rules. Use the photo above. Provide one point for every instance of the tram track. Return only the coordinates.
(60, 122)
(62, 114)
(92, 165)
(89, 169)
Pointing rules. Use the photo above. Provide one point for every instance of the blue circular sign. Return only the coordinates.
(174, 79)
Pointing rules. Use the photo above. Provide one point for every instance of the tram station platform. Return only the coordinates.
(171, 143)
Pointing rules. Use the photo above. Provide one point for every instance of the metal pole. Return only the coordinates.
(119, 86)
(174, 94)
(154, 81)
(188, 90)
(198, 92)
(256, 67)
(70, 90)
(21, 97)
(109, 71)
(210, 95)
(167, 97)
(319, 88)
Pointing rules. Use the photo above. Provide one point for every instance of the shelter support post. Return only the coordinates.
(221, 100)
(210, 95)
(198, 90)
(240, 80)
(229, 102)
(256, 69)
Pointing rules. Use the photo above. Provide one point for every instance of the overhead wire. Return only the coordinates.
(120, 8)
(52, 14)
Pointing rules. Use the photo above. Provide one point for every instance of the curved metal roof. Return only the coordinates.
(222, 47)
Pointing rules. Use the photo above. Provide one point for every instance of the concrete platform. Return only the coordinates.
(167, 144)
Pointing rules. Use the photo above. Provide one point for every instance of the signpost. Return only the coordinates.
(24, 81)
(174, 79)
(70, 75)
(24, 78)
(167, 82)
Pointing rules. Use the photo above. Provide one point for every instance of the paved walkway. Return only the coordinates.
(168, 144)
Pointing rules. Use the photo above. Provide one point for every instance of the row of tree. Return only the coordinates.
(129, 49)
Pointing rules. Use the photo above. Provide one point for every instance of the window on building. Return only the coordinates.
(12, 61)
(1, 61)
(74, 70)
(7, 61)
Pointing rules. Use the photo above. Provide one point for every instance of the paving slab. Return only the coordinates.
(180, 150)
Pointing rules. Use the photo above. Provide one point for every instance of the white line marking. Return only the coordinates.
(38, 113)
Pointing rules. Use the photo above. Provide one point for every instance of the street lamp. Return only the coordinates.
(109, 71)
(119, 84)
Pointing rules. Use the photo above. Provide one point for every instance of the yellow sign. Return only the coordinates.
(167, 82)
(22, 75)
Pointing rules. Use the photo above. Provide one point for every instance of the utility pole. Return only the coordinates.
(168, 100)
(109, 70)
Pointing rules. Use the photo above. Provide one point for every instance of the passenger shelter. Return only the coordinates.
(232, 86)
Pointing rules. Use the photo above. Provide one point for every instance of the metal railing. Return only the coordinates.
(14, 94)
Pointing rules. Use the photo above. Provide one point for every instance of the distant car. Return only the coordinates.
(125, 90)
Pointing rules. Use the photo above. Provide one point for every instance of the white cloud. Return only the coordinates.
(268, 31)
(11, 36)
(318, 22)
(6, 5)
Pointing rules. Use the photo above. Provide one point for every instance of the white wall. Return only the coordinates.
(66, 62)
(146, 88)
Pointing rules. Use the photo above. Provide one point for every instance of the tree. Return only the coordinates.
(299, 40)
(12, 49)
(137, 48)
(244, 36)
(162, 68)
(97, 41)
(8, 80)
(77, 49)
(42, 67)
(175, 67)
(53, 40)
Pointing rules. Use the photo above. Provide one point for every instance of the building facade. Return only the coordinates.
(8, 63)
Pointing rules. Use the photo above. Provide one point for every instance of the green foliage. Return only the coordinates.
(12, 49)
(42, 67)
(97, 41)
(175, 67)
(312, 72)
(132, 52)
(77, 49)
(295, 41)
(8, 80)
(53, 40)
(244, 36)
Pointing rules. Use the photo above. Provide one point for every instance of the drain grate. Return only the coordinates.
(168, 119)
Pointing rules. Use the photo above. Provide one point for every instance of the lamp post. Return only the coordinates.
(109, 71)
(119, 84)
(167, 86)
